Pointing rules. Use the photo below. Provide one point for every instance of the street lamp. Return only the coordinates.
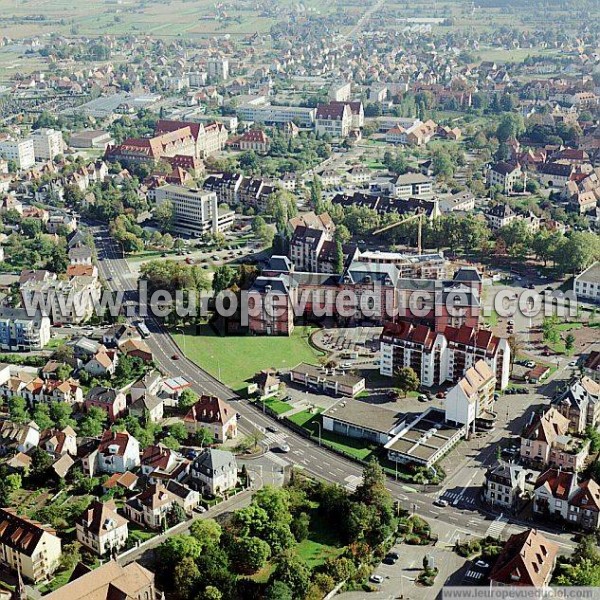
(219, 371)
(183, 334)
(319, 424)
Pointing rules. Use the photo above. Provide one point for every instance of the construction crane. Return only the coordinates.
(418, 216)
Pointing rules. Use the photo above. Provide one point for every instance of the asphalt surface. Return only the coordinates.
(463, 514)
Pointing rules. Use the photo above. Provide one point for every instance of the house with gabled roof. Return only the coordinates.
(118, 452)
(527, 559)
(214, 415)
(214, 471)
(150, 507)
(580, 403)
(101, 529)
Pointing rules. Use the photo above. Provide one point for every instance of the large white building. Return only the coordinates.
(21, 151)
(21, 332)
(276, 115)
(587, 284)
(47, 144)
(195, 211)
(218, 69)
(340, 91)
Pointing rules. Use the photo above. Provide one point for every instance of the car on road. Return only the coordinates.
(573, 363)
(284, 448)
(376, 579)
(441, 503)
(390, 558)
(175, 357)
(272, 429)
(481, 564)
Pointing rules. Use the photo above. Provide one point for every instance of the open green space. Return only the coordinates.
(305, 418)
(277, 406)
(321, 544)
(236, 359)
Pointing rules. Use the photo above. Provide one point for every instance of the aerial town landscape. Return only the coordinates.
(299, 300)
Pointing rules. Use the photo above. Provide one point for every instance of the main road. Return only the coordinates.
(304, 454)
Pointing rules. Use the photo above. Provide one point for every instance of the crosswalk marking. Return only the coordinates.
(352, 482)
(453, 496)
(495, 528)
(278, 460)
(474, 574)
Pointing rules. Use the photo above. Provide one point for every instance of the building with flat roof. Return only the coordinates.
(363, 420)
(334, 381)
(47, 143)
(195, 211)
(424, 440)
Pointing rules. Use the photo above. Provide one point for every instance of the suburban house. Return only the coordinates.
(503, 486)
(505, 175)
(500, 216)
(591, 366)
(214, 471)
(102, 529)
(472, 398)
(580, 403)
(150, 383)
(22, 438)
(111, 401)
(109, 581)
(160, 463)
(149, 406)
(545, 441)
(102, 364)
(118, 452)
(558, 493)
(59, 441)
(215, 416)
(527, 559)
(267, 383)
(150, 507)
(185, 496)
(28, 547)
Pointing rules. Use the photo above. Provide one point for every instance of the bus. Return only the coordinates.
(143, 329)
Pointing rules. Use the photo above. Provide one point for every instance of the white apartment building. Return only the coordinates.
(195, 211)
(47, 143)
(21, 332)
(276, 115)
(340, 91)
(218, 69)
(21, 151)
(587, 284)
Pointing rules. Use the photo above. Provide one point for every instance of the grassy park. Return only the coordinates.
(235, 359)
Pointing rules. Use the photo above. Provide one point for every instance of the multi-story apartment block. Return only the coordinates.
(472, 398)
(340, 91)
(21, 332)
(195, 211)
(218, 69)
(587, 284)
(503, 486)
(101, 529)
(28, 547)
(500, 216)
(20, 151)
(410, 266)
(47, 144)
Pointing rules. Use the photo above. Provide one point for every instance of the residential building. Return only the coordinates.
(112, 402)
(591, 366)
(268, 114)
(28, 547)
(329, 381)
(504, 485)
(107, 582)
(409, 266)
(334, 119)
(195, 211)
(459, 202)
(101, 529)
(545, 441)
(527, 559)
(505, 175)
(217, 69)
(438, 357)
(214, 472)
(18, 437)
(149, 406)
(19, 151)
(102, 364)
(214, 415)
(160, 463)
(47, 144)
(500, 216)
(472, 398)
(587, 284)
(555, 174)
(256, 140)
(340, 91)
(150, 507)
(20, 332)
(580, 403)
(412, 185)
(57, 442)
(118, 452)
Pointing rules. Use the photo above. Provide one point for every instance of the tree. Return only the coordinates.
(60, 413)
(339, 258)
(578, 251)
(251, 554)
(71, 555)
(187, 398)
(63, 372)
(224, 277)
(93, 424)
(592, 434)
(278, 590)
(211, 593)
(407, 380)
(569, 343)
(511, 126)
(163, 214)
(292, 571)
(175, 548)
(178, 431)
(206, 531)
(41, 462)
(17, 409)
(175, 515)
(185, 577)
(41, 416)
(300, 526)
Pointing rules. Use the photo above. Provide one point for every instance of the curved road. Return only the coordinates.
(304, 454)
